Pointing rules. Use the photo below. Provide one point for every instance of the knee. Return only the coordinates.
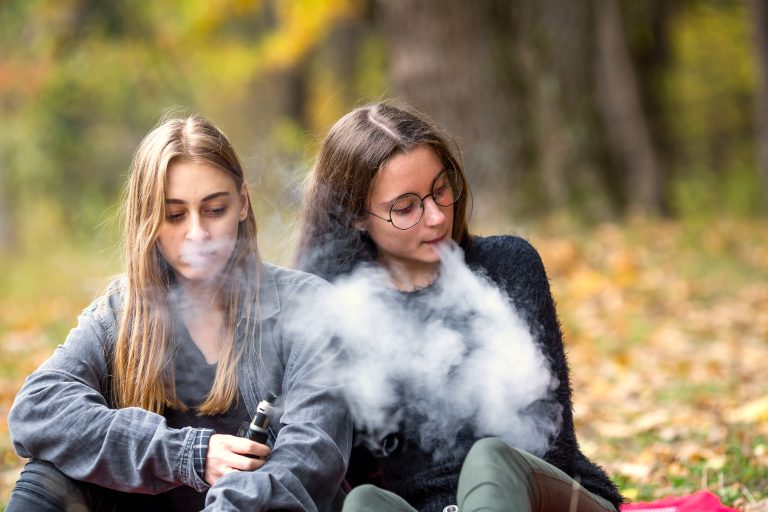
(365, 493)
(369, 497)
(495, 452)
(489, 449)
(40, 472)
(43, 483)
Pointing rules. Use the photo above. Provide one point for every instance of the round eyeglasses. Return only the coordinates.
(407, 209)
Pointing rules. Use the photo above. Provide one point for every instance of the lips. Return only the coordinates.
(197, 258)
(435, 241)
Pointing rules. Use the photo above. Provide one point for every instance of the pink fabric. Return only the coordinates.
(701, 501)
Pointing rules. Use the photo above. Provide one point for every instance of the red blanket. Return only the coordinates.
(701, 501)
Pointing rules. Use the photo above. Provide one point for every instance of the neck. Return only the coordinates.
(203, 315)
(411, 277)
(198, 297)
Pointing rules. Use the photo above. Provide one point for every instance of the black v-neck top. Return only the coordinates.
(194, 378)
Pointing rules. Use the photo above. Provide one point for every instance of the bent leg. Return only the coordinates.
(42, 487)
(498, 477)
(494, 478)
(369, 498)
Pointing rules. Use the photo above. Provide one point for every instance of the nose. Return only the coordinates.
(433, 214)
(196, 231)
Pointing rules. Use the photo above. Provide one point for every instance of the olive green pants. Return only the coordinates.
(496, 477)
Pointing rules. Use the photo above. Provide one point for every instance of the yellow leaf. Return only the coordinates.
(751, 412)
(631, 493)
(636, 471)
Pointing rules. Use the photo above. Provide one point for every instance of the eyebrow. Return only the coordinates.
(206, 198)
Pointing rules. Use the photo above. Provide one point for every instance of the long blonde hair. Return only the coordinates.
(143, 374)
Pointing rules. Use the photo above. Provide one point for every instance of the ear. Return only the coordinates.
(246, 203)
(361, 224)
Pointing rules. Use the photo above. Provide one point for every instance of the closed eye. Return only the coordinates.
(216, 212)
(403, 211)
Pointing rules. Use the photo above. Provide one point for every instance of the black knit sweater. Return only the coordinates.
(516, 268)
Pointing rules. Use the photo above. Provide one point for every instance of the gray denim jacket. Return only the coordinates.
(63, 413)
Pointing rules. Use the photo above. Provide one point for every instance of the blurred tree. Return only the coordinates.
(552, 54)
(82, 80)
(759, 14)
(594, 108)
(535, 31)
(648, 24)
(709, 99)
(443, 60)
(622, 109)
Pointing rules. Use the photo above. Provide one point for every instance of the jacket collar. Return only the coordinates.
(269, 300)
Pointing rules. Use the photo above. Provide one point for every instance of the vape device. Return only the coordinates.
(258, 430)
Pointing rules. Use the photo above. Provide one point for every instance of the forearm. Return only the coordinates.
(58, 418)
(304, 472)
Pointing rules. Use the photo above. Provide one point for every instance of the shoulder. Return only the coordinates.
(288, 278)
(514, 265)
(284, 288)
(504, 254)
(106, 309)
(288, 282)
(98, 324)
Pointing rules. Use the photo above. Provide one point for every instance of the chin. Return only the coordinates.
(195, 276)
(430, 257)
(198, 274)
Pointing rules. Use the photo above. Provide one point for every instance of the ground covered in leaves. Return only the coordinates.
(667, 336)
(666, 327)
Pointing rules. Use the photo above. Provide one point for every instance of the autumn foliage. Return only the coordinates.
(666, 327)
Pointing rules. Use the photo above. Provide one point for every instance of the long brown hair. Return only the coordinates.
(143, 357)
(337, 188)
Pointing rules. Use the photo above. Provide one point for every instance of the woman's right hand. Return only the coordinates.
(231, 453)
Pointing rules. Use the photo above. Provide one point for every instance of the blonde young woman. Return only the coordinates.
(386, 191)
(140, 407)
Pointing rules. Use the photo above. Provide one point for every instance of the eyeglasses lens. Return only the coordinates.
(407, 209)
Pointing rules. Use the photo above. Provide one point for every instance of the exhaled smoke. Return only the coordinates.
(200, 254)
(437, 362)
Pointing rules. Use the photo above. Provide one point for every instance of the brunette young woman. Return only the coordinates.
(140, 408)
(387, 189)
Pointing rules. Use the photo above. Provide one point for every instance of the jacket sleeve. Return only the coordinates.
(306, 468)
(520, 272)
(61, 415)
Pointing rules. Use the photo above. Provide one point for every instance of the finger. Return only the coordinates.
(245, 463)
(245, 446)
(261, 451)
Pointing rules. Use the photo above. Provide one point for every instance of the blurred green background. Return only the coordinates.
(570, 115)
(595, 109)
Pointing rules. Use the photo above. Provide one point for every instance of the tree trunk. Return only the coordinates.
(443, 61)
(622, 112)
(759, 14)
(550, 127)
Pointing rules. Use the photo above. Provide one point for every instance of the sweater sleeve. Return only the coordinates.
(516, 267)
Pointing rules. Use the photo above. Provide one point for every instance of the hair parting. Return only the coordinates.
(143, 374)
(337, 189)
